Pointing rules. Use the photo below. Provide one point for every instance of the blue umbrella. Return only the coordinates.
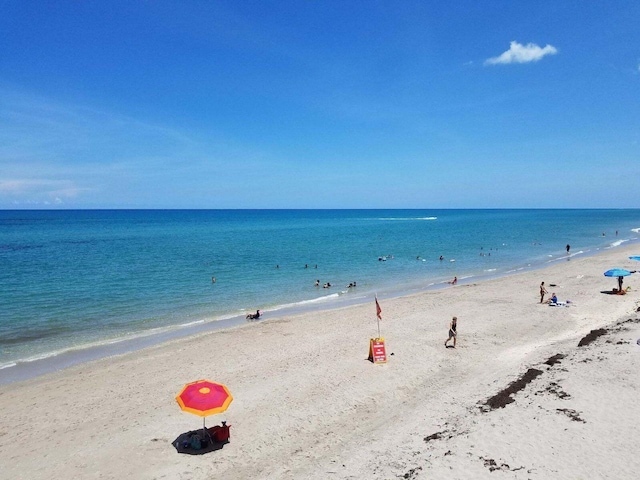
(617, 272)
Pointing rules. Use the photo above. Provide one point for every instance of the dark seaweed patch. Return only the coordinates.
(503, 398)
(555, 359)
(434, 436)
(572, 414)
(411, 473)
(591, 336)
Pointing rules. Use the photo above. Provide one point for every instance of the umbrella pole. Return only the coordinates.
(204, 429)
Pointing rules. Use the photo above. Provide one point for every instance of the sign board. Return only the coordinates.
(377, 351)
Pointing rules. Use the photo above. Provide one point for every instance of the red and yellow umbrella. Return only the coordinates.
(204, 398)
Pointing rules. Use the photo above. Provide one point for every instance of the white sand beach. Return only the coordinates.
(308, 404)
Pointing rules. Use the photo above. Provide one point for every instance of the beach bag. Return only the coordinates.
(222, 434)
(195, 442)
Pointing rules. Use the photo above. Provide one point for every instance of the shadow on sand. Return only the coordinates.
(197, 442)
(613, 292)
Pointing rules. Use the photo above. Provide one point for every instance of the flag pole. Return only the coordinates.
(378, 312)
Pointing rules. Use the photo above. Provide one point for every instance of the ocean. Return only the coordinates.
(78, 285)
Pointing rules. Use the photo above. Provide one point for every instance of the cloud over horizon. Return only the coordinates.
(519, 53)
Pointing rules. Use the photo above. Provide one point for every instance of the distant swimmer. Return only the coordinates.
(213, 279)
(441, 257)
(317, 283)
(277, 266)
(306, 265)
(454, 281)
(326, 285)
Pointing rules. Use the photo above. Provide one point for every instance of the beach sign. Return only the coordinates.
(377, 350)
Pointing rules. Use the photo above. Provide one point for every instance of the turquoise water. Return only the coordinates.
(76, 280)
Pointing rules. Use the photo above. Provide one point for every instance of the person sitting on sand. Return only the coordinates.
(254, 316)
(553, 299)
(453, 332)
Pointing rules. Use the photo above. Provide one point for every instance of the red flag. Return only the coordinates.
(378, 310)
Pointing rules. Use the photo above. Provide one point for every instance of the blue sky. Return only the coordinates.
(319, 104)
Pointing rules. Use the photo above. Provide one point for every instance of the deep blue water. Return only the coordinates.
(72, 279)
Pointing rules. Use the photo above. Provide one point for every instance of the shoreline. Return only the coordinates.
(308, 404)
(28, 368)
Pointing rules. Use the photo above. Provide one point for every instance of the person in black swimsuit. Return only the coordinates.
(453, 332)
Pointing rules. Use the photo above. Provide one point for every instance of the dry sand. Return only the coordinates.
(309, 405)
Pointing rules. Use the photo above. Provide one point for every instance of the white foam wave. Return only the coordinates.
(491, 269)
(635, 230)
(304, 302)
(195, 322)
(405, 219)
(8, 365)
(617, 243)
(111, 341)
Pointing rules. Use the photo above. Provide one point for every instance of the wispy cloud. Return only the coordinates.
(53, 153)
(39, 191)
(519, 53)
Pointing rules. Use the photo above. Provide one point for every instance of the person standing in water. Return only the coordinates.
(453, 332)
(568, 247)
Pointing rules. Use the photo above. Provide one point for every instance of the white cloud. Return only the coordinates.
(519, 53)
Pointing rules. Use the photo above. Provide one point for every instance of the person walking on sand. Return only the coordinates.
(453, 332)
(543, 292)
